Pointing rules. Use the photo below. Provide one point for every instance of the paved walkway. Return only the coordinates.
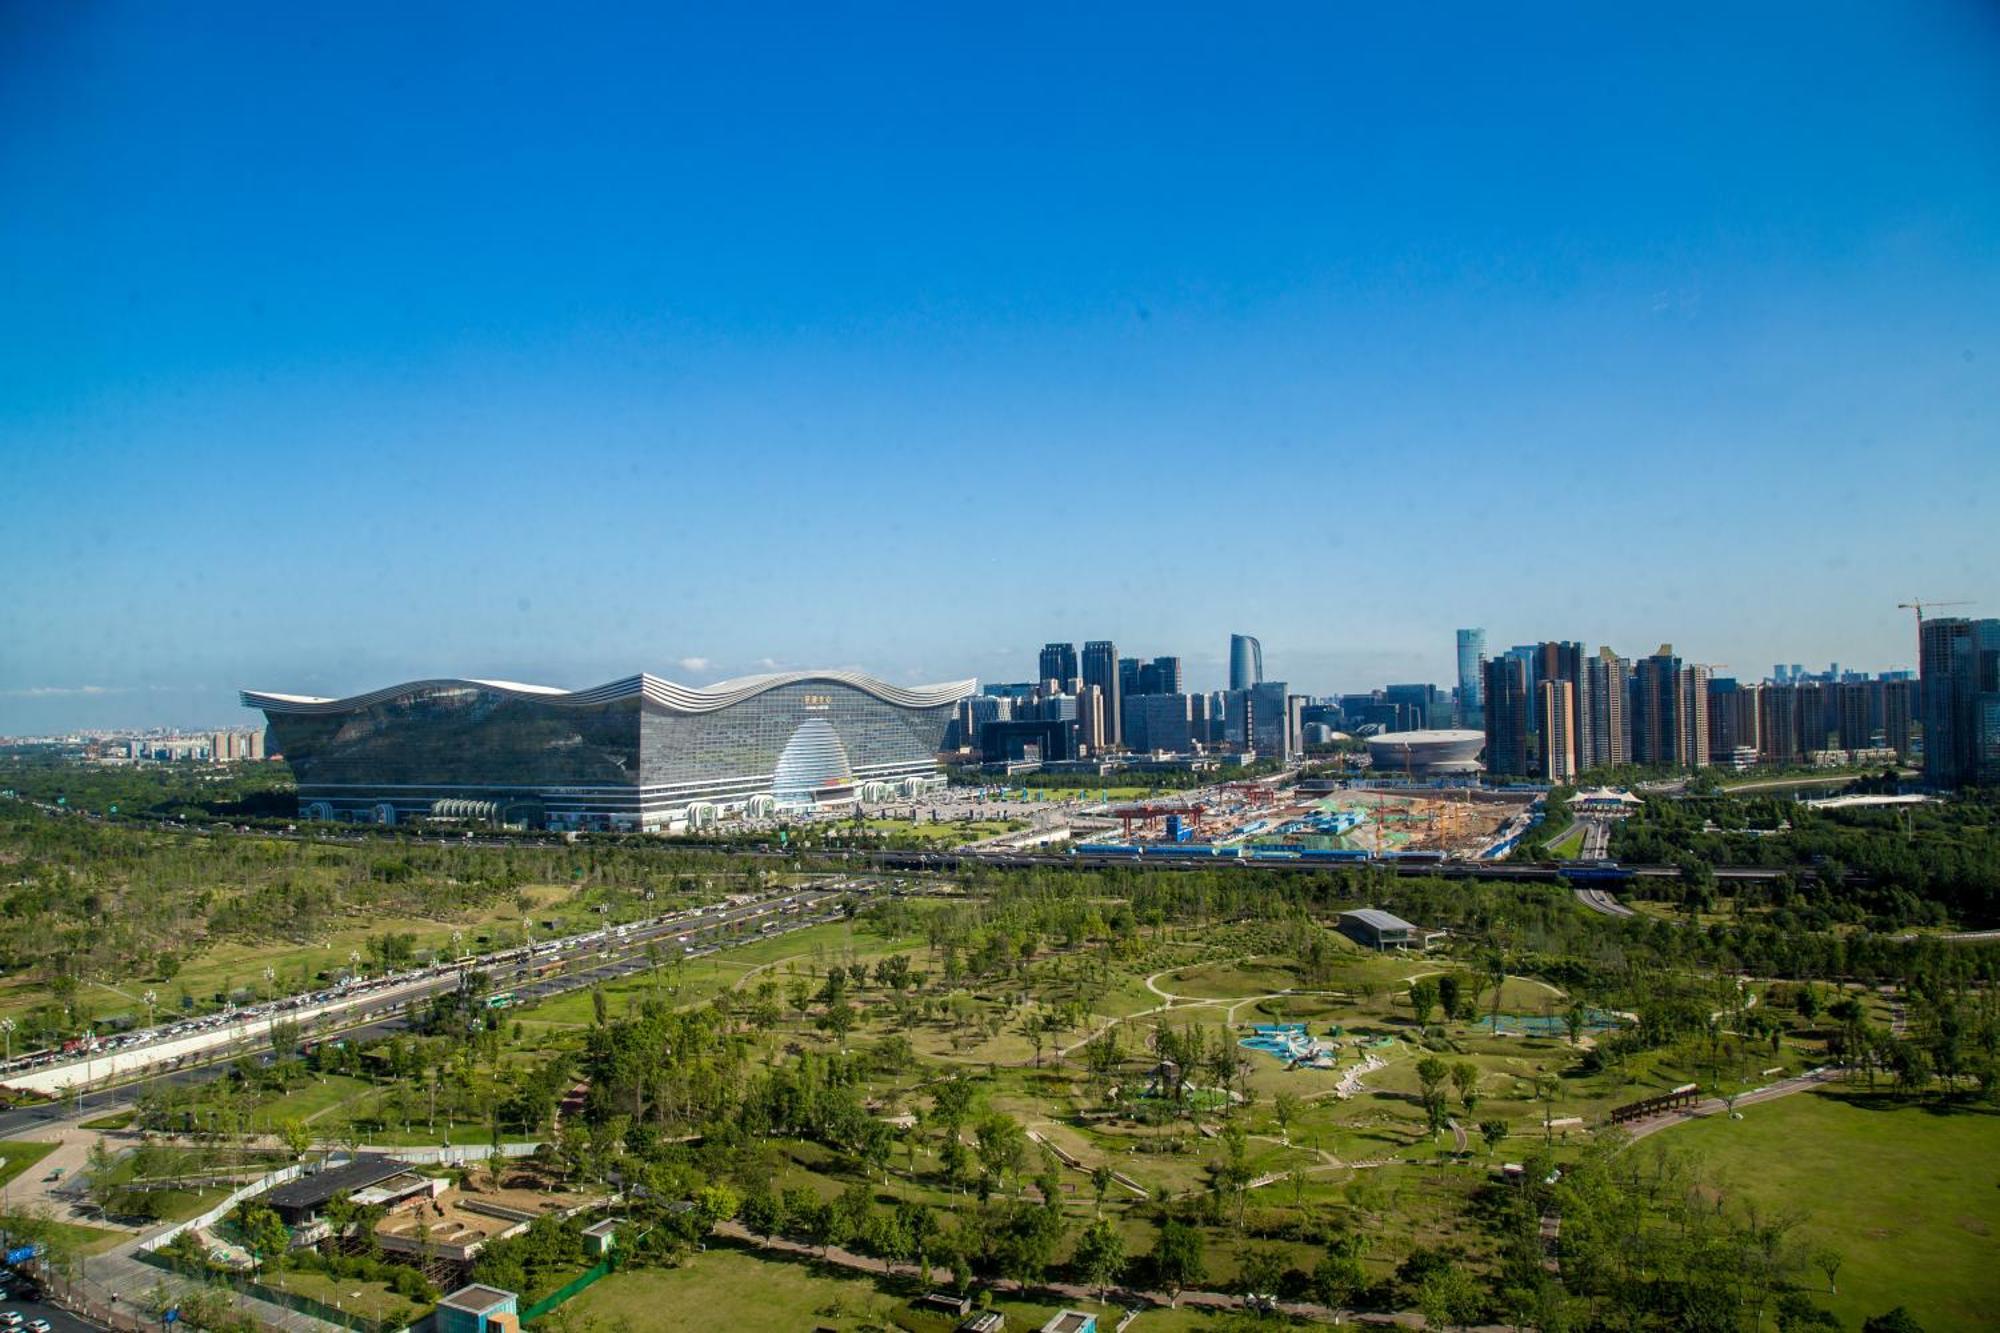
(1067, 1291)
(1714, 1106)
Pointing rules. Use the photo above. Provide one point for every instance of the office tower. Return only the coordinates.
(1898, 709)
(1167, 675)
(1656, 707)
(1090, 718)
(1159, 722)
(1218, 717)
(1246, 662)
(1129, 683)
(1504, 686)
(1100, 668)
(1295, 724)
(1471, 647)
(1958, 664)
(1604, 737)
(1558, 750)
(1415, 705)
(1058, 664)
(1269, 734)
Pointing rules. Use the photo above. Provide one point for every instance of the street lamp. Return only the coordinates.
(152, 998)
(7, 1026)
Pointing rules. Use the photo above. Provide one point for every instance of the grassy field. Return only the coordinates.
(1898, 1190)
(786, 1294)
(16, 1157)
(371, 1300)
(1570, 845)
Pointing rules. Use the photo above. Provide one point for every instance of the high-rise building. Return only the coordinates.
(1270, 716)
(1958, 661)
(1898, 710)
(1604, 737)
(1100, 668)
(1246, 662)
(1159, 722)
(1691, 738)
(1563, 661)
(1504, 686)
(1471, 647)
(1733, 733)
(1558, 746)
(1166, 675)
(1415, 706)
(1058, 664)
(1090, 718)
(1655, 710)
(1856, 727)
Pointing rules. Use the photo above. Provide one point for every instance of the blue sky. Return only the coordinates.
(415, 340)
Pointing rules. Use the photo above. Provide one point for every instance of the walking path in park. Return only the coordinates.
(835, 1256)
(1639, 1129)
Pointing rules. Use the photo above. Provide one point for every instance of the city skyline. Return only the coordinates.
(336, 355)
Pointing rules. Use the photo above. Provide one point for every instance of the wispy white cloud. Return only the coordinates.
(60, 692)
(695, 664)
(767, 664)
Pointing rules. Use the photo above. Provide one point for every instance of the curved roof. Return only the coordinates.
(665, 693)
(1437, 736)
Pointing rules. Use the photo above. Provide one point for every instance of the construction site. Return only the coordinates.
(1251, 819)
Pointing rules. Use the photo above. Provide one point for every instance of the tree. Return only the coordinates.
(1447, 1296)
(1339, 1277)
(1897, 1320)
(1100, 1184)
(1001, 1145)
(1828, 1261)
(764, 1214)
(1494, 1132)
(1286, 1108)
(292, 1132)
(1423, 999)
(1431, 1074)
(1264, 1271)
(1178, 1260)
(1100, 1255)
(1465, 1078)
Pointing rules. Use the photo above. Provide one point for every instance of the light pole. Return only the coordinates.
(152, 998)
(7, 1026)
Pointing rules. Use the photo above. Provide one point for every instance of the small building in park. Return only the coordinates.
(1071, 1321)
(985, 1321)
(478, 1309)
(1373, 928)
(599, 1237)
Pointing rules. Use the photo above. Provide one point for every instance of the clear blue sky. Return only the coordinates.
(349, 346)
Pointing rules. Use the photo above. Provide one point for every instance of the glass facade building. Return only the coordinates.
(640, 753)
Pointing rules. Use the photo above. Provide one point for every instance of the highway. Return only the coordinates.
(549, 969)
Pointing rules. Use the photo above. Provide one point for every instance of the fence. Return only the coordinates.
(290, 1300)
(568, 1289)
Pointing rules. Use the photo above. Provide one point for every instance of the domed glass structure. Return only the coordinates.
(813, 767)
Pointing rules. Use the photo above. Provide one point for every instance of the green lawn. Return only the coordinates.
(16, 1157)
(1908, 1195)
(781, 1294)
(371, 1300)
(1570, 845)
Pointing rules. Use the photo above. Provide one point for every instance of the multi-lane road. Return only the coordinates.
(529, 972)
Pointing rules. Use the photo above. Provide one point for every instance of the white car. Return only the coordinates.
(11, 1319)
(39, 1326)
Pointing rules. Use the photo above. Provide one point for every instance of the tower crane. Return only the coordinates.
(1917, 605)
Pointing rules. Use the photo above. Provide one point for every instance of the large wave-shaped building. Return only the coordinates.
(640, 753)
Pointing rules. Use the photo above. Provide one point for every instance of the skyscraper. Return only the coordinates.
(1100, 668)
(1471, 709)
(1246, 662)
(1656, 707)
(1561, 661)
(1167, 675)
(1504, 685)
(1691, 734)
(1958, 661)
(1058, 664)
(1558, 753)
(1605, 738)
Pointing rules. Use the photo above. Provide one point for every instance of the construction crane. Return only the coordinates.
(1917, 604)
